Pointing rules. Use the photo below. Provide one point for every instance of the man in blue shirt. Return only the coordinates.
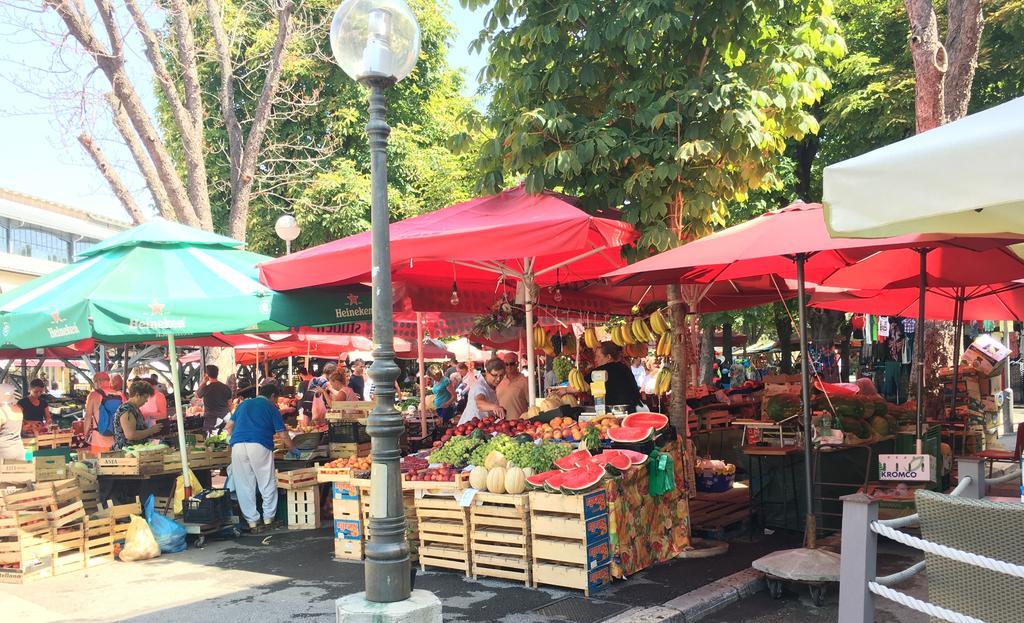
(252, 428)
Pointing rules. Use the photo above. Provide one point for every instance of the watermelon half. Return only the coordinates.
(613, 461)
(553, 482)
(537, 480)
(656, 421)
(630, 434)
(636, 458)
(580, 479)
(573, 459)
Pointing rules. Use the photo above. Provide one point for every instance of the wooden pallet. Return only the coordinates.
(443, 527)
(569, 540)
(303, 506)
(500, 536)
(715, 514)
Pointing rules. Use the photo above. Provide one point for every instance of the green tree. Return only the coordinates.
(315, 158)
(667, 109)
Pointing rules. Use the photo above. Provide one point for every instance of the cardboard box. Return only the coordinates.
(986, 355)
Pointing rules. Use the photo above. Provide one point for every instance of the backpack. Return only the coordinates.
(109, 404)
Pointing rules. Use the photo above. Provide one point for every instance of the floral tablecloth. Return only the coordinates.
(647, 530)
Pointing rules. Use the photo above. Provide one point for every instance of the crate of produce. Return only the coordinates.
(343, 469)
(500, 536)
(456, 481)
(347, 431)
(348, 450)
(53, 440)
(39, 497)
(99, 541)
(569, 540)
(297, 478)
(207, 507)
(26, 547)
(121, 464)
(444, 533)
(349, 410)
(303, 507)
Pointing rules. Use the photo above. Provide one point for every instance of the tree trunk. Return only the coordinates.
(677, 405)
(707, 354)
(784, 331)
(727, 344)
(964, 32)
(930, 64)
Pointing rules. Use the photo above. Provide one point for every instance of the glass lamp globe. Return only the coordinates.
(287, 228)
(375, 39)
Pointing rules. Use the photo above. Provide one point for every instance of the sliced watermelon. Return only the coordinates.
(656, 421)
(637, 458)
(554, 482)
(613, 461)
(630, 434)
(574, 459)
(580, 479)
(537, 480)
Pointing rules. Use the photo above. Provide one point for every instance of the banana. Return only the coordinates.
(640, 330)
(590, 338)
(577, 381)
(658, 323)
(664, 347)
(663, 382)
(627, 335)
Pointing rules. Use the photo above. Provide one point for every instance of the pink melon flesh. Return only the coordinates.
(637, 458)
(657, 421)
(615, 459)
(630, 434)
(537, 480)
(574, 459)
(580, 479)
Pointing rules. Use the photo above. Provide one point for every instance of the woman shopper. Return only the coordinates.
(129, 423)
(10, 425)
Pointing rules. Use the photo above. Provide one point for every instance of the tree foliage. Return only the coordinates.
(666, 109)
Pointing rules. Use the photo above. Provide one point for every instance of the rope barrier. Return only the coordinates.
(977, 560)
(960, 486)
(921, 606)
(901, 576)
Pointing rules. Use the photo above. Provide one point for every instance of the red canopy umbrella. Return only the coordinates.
(535, 240)
(1001, 301)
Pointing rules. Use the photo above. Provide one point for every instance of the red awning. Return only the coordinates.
(473, 241)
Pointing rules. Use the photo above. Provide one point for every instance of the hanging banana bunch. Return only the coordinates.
(540, 339)
(578, 382)
(663, 382)
(658, 323)
(641, 331)
(664, 347)
(590, 338)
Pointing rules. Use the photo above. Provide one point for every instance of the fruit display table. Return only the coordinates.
(646, 530)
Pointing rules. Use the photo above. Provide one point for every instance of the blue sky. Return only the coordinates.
(40, 154)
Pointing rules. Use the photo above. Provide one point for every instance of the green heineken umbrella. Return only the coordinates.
(163, 280)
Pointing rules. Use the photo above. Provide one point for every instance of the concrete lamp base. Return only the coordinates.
(421, 607)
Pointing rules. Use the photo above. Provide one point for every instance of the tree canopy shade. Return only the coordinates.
(667, 109)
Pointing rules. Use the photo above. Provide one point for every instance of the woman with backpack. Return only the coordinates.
(129, 423)
(100, 409)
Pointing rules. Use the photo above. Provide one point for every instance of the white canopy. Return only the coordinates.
(965, 177)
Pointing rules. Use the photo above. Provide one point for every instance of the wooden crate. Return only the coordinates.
(34, 498)
(461, 482)
(715, 513)
(500, 536)
(348, 450)
(569, 540)
(54, 440)
(120, 515)
(348, 549)
(88, 484)
(39, 469)
(215, 459)
(119, 464)
(26, 547)
(297, 478)
(303, 507)
(349, 410)
(99, 541)
(68, 548)
(443, 533)
(333, 474)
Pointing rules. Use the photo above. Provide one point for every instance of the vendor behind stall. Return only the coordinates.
(252, 428)
(621, 387)
(215, 395)
(129, 423)
(34, 407)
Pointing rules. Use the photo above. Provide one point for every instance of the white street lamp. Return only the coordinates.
(287, 229)
(377, 43)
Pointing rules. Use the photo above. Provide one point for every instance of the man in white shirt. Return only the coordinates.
(483, 398)
(638, 370)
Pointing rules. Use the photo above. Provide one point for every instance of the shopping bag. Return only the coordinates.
(660, 474)
(179, 490)
(319, 407)
(169, 534)
(139, 543)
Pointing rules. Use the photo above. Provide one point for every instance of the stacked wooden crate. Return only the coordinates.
(348, 521)
(408, 507)
(56, 439)
(302, 498)
(443, 525)
(88, 483)
(120, 464)
(42, 531)
(569, 541)
(500, 536)
(39, 469)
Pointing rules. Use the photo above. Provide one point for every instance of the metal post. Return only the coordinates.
(24, 377)
(531, 353)
(172, 356)
(857, 565)
(973, 468)
(958, 327)
(805, 401)
(1007, 406)
(423, 374)
(919, 348)
(387, 552)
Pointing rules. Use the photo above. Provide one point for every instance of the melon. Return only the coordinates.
(581, 479)
(636, 458)
(478, 478)
(553, 482)
(515, 480)
(537, 481)
(495, 459)
(496, 480)
(630, 434)
(656, 421)
(614, 462)
(880, 425)
(529, 471)
(573, 459)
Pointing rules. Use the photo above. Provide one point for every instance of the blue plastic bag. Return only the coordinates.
(169, 534)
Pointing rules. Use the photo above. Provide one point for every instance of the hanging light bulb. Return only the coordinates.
(455, 295)
(557, 295)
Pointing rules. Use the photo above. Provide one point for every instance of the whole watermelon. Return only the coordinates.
(855, 426)
(881, 406)
(782, 406)
(848, 406)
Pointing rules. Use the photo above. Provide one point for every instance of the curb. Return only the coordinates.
(699, 603)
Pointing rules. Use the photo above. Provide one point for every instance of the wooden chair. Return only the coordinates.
(1004, 456)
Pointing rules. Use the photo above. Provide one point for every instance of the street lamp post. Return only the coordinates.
(377, 42)
(287, 229)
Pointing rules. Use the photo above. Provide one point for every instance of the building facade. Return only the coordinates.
(39, 236)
